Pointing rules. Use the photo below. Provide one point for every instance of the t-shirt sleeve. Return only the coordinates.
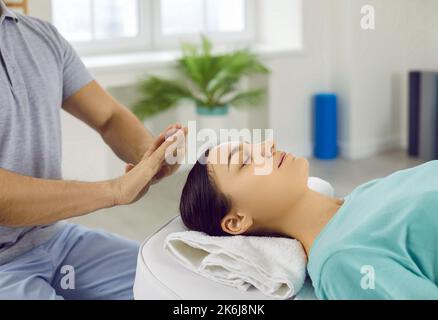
(75, 75)
(358, 275)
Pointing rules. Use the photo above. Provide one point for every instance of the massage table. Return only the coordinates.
(160, 277)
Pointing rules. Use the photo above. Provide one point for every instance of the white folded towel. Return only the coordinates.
(275, 266)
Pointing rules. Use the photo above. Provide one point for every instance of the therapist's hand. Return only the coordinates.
(166, 169)
(136, 182)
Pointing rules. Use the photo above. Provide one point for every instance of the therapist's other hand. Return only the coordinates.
(136, 182)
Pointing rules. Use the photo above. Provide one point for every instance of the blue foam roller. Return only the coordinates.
(326, 126)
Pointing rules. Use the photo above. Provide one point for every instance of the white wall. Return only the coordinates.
(279, 23)
(296, 77)
(369, 69)
(366, 68)
(361, 70)
(377, 78)
(421, 45)
(41, 9)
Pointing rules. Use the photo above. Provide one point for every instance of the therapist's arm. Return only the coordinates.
(119, 127)
(27, 201)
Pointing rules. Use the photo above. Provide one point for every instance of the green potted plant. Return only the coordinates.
(209, 81)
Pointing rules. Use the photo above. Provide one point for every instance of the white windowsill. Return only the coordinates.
(126, 69)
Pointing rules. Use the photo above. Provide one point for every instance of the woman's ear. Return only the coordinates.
(236, 223)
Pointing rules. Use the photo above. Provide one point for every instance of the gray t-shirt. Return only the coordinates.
(38, 70)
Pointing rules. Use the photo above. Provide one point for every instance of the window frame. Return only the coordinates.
(160, 40)
(151, 38)
(116, 45)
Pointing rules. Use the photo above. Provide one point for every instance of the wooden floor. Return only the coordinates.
(161, 204)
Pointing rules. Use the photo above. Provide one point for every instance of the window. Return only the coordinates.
(196, 16)
(87, 20)
(221, 20)
(104, 26)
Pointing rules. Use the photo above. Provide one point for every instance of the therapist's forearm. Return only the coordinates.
(27, 201)
(127, 136)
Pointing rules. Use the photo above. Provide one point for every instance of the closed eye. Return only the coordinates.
(245, 162)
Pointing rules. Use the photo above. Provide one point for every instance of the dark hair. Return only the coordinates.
(203, 205)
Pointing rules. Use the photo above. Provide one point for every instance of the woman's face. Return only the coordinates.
(260, 181)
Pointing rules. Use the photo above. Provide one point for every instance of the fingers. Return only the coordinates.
(170, 130)
(176, 126)
(152, 164)
(168, 147)
(138, 178)
(154, 146)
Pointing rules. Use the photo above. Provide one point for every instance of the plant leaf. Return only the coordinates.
(234, 67)
(247, 98)
(209, 80)
(159, 95)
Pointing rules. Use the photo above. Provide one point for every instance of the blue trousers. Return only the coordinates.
(76, 264)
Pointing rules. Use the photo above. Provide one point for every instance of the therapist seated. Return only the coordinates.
(376, 243)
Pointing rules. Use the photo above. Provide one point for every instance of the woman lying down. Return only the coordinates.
(385, 231)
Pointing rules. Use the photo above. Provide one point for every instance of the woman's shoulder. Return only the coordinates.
(398, 187)
(427, 169)
(342, 264)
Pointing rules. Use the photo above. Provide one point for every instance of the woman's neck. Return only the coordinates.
(309, 216)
